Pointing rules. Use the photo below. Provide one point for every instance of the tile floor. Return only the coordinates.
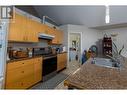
(72, 66)
(57, 82)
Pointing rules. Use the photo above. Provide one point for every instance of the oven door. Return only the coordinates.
(49, 65)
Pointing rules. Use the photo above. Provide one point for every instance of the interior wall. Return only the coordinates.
(89, 36)
(120, 39)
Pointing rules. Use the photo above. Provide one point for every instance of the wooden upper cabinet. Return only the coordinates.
(16, 28)
(54, 41)
(23, 29)
(42, 28)
(58, 37)
(48, 30)
(32, 30)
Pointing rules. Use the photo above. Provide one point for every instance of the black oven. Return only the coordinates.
(49, 65)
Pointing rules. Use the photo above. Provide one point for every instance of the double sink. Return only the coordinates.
(105, 62)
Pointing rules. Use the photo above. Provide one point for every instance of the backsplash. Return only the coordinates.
(42, 43)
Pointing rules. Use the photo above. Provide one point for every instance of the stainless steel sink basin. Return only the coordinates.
(105, 62)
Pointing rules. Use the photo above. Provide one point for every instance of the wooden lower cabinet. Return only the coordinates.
(61, 61)
(24, 75)
(37, 70)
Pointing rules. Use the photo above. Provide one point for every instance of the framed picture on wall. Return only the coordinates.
(73, 44)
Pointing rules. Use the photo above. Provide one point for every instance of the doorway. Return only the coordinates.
(75, 47)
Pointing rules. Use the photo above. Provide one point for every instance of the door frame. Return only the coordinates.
(69, 33)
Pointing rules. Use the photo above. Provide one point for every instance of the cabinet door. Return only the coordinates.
(42, 28)
(13, 78)
(61, 61)
(60, 37)
(55, 40)
(38, 69)
(20, 77)
(32, 30)
(50, 31)
(18, 84)
(16, 28)
(58, 62)
(47, 29)
(28, 78)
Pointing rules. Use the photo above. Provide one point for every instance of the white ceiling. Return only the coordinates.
(90, 16)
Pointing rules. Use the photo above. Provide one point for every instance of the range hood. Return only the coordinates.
(45, 36)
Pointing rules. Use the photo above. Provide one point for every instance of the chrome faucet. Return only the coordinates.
(116, 60)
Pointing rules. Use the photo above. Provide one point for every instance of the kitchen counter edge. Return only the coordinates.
(15, 60)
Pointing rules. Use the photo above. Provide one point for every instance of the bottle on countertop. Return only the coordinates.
(30, 52)
(93, 61)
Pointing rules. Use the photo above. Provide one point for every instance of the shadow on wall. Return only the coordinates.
(99, 46)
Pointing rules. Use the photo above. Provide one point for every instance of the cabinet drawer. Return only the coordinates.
(18, 73)
(13, 65)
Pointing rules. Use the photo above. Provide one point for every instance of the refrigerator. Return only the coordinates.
(3, 50)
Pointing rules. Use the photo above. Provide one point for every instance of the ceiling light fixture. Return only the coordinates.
(107, 16)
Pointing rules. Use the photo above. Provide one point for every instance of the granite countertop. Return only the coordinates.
(20, 59)
(91, 76)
